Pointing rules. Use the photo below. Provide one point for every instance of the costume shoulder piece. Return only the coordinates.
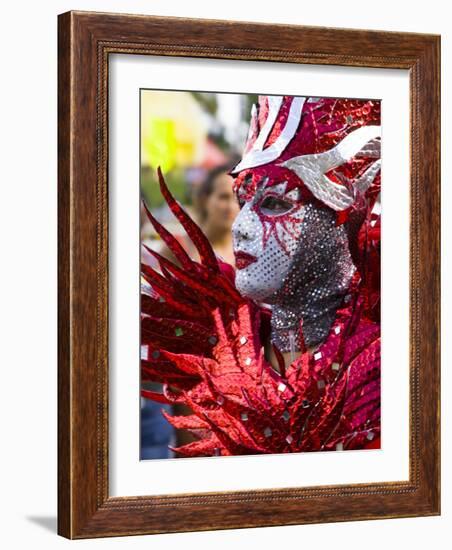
(203, 341)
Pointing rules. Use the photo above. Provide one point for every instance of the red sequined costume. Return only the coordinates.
(204, 341)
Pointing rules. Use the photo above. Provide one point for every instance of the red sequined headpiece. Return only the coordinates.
(329, 148)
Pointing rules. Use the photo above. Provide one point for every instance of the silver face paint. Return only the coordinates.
(266, 230)
(316, 283)
(292, 256)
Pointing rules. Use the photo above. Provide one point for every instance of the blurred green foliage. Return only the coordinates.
(208, 101)
(150, 188)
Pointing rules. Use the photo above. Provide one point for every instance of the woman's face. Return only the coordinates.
(221, 205)
(265, 237)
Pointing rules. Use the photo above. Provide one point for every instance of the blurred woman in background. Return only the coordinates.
(217, 208)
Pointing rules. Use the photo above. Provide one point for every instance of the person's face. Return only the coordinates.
(221, 205)
(265, 237)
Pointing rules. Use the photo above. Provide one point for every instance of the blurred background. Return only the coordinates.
(196, 138)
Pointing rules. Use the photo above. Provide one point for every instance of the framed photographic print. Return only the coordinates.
(248, 274)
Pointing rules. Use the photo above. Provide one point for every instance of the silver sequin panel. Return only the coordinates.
(316, 283)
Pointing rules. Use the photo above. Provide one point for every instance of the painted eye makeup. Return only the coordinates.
(272, 205)
(244, 194)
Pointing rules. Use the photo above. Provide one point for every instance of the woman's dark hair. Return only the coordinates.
(207, 186)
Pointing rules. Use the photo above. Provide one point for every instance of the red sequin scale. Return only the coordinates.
(203, 341)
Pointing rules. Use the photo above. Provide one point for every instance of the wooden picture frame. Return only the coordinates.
(85, 42)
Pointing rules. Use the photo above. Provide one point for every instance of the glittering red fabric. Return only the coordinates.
(204, 342)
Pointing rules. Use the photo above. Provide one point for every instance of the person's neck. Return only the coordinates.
(218, 236)
(288, 357)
